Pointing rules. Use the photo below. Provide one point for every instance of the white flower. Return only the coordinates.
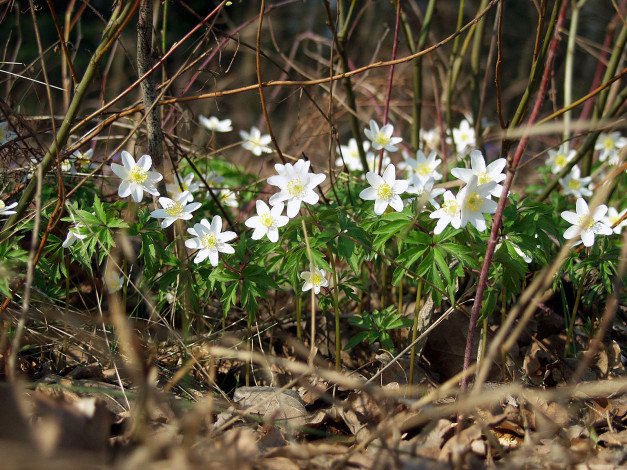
(423, 167)
(385, 190)
(493, 172)
(113, 282)
(5, 210)
(382, 138)
(610, 146)
(296, 185)
(585, 223)
(187, 184)
(267, 221)
(67, 166)
(174, 209)
(210, 240)
(612, 217)
(449, 213)
(228, 198)
(214, 124)
(558, 159)
(6, 134)
(255, 142)
(135, 176)
(73, 234)
(474, 201)
(350, 155)
(431, 138)
(316, 278)
(84, 159)
(424, 190)
(575, 185)
(464, 136)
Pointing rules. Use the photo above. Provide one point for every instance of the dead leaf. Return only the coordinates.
(284, 407)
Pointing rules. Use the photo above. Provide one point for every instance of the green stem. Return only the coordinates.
(573, 315)
(568, 69)
(299, 310)
(503, 310)
(453, 60)
(414, 334)
(336, 304)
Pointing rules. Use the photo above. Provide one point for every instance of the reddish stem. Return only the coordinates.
(391, 77)
(511, 171)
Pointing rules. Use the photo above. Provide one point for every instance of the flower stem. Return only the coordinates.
(299, 309)
(336, 304)
(573, 315)
(414, 334)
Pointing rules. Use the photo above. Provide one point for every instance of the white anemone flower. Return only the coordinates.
(424, 190)
(349, 155)
(267, 221)
(449, 213)
(558, 159)
(431, 138)
(67, 166)
(84, 159)
(493, 172)
(113, 282)
(210, 240)
(228, 198)
(385, 190)
(6, 134)
(214, 124)
(73, 235)
(382, 138)
(423, 167)
(575, 185)
(187, 184)
(314, 279)
(174, 209)
(464, 136)
(296, 185)
(612, 217)
(474, 200)
(6, 210)
(586, 224)
(255, 142)
(135, 176)
(610, 146)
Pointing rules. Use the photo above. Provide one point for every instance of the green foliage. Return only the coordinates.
(377, 326)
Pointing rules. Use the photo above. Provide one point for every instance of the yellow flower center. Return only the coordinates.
(464, 136)
(174, 209)
(296, 187)
(384, 191)
(82, 159)
(474, 202)
(585, 222)
(209, 241)
(137, 175)
(561, 161)
(1, 133)
(608, 144)
(614, 219)
(266, 219)
(483, 177)
(451, 207)
(114, 284)
(66, 165)
(183, 186)
(2, 205)
(574, 184)
(381, 139)
(316, 279)
(423, 169)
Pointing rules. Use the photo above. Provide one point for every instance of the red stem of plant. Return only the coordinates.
(511, 171)
(391, 77)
